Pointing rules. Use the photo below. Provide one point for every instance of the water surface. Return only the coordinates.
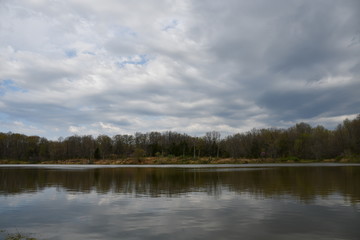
(316, 201)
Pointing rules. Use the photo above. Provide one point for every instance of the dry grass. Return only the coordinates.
(16, 236)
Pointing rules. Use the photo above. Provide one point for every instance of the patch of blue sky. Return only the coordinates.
(3, 116)
(121, 31)
(136, 60)
(9, 85)
(89, 53)
(172, 25)
(152, 117)
(71, 53)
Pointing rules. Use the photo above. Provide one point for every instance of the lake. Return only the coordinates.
(250, 201)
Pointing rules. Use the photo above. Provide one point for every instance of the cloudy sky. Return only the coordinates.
(114, 66)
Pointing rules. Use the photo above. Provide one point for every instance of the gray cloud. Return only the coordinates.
(311, 103)
(189, 66)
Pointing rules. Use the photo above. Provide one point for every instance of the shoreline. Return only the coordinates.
(179, 160)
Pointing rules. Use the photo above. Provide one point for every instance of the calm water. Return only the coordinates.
(182, 202)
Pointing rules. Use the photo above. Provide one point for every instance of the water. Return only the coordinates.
(317, 201)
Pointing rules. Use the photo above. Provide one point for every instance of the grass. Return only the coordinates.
(6, 161)
(17, 236)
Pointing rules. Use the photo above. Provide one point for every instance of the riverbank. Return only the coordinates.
(180, 160)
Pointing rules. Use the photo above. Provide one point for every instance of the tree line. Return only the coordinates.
(300, 141)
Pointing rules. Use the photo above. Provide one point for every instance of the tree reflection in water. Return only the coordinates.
(304, 183)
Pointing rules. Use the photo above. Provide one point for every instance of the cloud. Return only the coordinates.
(121, 67)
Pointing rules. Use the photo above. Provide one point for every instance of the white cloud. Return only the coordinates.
(124, 66)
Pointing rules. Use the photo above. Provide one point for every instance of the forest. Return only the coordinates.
(301, 141)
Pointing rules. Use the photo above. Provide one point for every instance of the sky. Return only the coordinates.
(118, 67)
